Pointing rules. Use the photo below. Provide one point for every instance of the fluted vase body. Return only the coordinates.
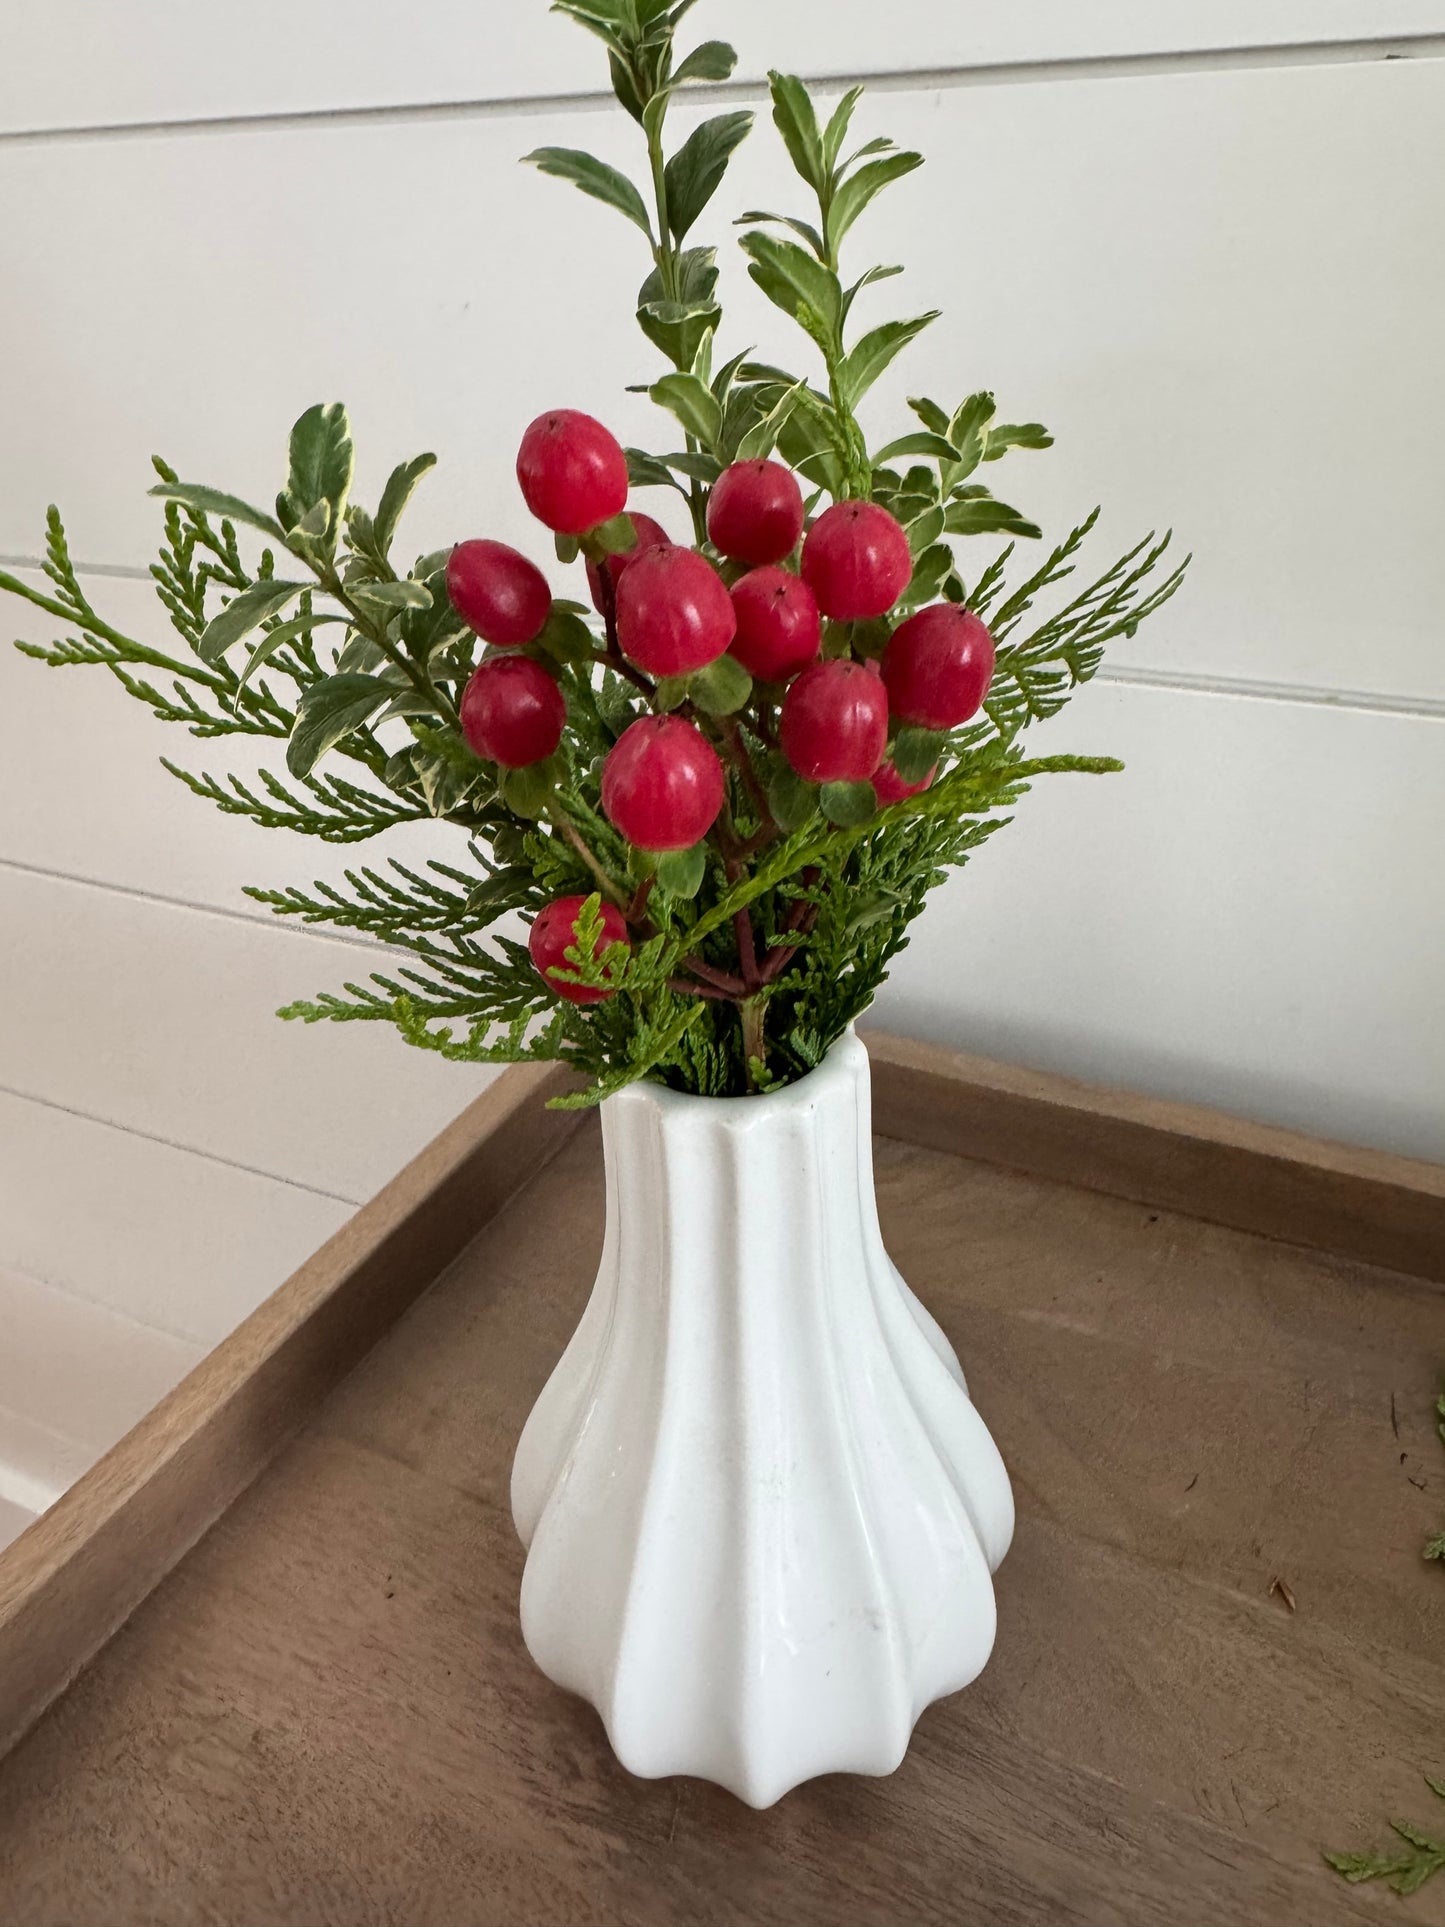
(761, 1512)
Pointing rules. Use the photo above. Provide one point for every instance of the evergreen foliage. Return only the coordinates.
(751, 953)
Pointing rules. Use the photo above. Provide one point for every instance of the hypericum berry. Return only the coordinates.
(512, 711)
(779, 628)
(755, 512)
(834, 725)
(662, 784)
(856, 561)
(501, 594)
(891, 788)
(674, 613)
(650, 535)
(555, 933)
(572, 471)
(937, 667)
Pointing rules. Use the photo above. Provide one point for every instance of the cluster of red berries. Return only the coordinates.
(662, 784)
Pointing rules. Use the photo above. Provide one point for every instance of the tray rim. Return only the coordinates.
(73, 1578)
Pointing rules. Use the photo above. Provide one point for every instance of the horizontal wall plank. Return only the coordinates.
(1193, 279)
(1249, 917)
(169, 1238)
(146, 60)
(161, 1019)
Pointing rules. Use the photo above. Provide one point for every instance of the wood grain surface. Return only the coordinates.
(1359, 1203)
(325, 1713)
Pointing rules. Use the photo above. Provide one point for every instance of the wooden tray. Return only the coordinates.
(323, 1709)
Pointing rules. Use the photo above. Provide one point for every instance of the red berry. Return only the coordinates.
(572, 471)
(674, 614)
(779, 628)
(937, 667)
(650, 535)
(755, 512)
(856, 561)
(512, 712)
(891, 788)
(662, 784)
(555, 933)
(834, 725)
(501, 594)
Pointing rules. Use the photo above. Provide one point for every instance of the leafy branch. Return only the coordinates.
(1405, 1868)
(747, 954)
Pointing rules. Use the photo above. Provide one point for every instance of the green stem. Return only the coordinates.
(91, 624)
(666, 252)
(755, 1044)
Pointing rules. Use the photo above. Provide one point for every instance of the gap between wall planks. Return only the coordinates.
(1371, 1206)
(75, 1576)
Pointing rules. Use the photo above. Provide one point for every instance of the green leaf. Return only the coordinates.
(596, 178)
(921, 442)
(506, 889)
(988, 517)
(679, 327)
(930, 572)
(565, 637)
(680, 872)
(670, 692)
(721, 688)
(528, 791)
(797, 122)
(802, 287)
(313, 528)
(328, 711)
(848, 804)
(968, 431)
(361, 652)
(792, 801)
(930, 414)
(693, 403)
(394, 497)
(568, 548)
(277, 638)
(836, 132)
(695, 172)
(762, 438)
(703, 468)
(646, 471)
(804, 228)
(322, 460)
(925, 529)
(616, 536)
(713, 60)
(868, 359)
(242, 614)
(388, 597)
(213, 501)
(861, 188)
(1006, 435)
(915, 751)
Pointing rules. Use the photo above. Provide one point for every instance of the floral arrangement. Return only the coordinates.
(721, 789)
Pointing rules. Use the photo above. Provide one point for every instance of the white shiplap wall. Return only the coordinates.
(1203, 241)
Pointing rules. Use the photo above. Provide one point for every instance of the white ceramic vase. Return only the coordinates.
(760, 1509)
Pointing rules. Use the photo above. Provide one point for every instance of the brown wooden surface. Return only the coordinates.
(325, 1713)
(71, 1579)
(1342, 1198)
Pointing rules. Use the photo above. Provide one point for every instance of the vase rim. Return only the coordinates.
(839, 1065)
